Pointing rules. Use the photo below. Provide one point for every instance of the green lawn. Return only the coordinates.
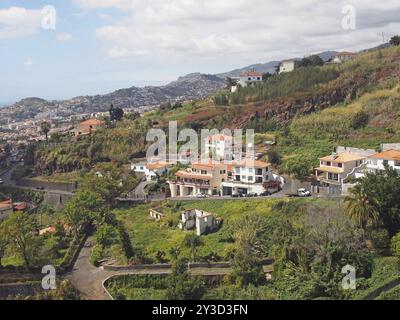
(155, 236)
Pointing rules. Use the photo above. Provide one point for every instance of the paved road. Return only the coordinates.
(279, 195)
(89, 279)
(7, 181)
(139, 191)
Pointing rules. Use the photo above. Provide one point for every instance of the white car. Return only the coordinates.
(302, 193)
(201, 196)
(1, 181)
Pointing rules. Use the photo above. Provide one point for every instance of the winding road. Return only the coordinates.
(89, 279)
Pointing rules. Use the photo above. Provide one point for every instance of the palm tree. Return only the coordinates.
(361, 208)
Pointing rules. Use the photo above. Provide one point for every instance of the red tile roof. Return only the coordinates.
(251, 74)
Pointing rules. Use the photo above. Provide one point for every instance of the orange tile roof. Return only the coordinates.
(91, 122)
(342, 158)
(251, 74)
(330, 169)
(209, 165)
(191, 175)
(387, 155)
(157, 165)
(251, 163)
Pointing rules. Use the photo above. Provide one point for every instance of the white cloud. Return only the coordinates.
(18, 22)
(29, 62)
(237, 29)
(64, 37)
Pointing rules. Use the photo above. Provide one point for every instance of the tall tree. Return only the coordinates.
(361, 208)
(249, 251)
(45, 127)
(83, 208)
(19, 234)
(181, 286)
(116, 114)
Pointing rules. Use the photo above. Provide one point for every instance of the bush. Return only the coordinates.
(395, 245)
(360, 120)
(96, 255)
(380, 238)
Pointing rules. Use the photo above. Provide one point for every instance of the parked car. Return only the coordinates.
(265, 194)
(1, 181)
(251, 195)
(302, 193)
(40, 188)
(237, 195)
(201, 196)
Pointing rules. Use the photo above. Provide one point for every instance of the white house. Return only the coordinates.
(221, 147)
(379, 161)
(249, 175)
(157, 214)
(288, 65)
(203, 222)
(343, 57)
(246, 79)
(150, 170)
(250, 78)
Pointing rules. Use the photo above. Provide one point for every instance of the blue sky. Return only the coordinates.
(102, 45)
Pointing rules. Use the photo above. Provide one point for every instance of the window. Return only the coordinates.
(258, 78)
(249, 79)
(251, 170)
(244, 177)
(259, 172)
(397, 163)
(385, 162)
(203, 172)
(340, 165)
(328, 163)
(251, 179)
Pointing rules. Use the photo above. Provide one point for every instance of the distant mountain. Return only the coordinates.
(192, 86)
(260, 67)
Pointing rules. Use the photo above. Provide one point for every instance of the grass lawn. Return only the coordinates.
(158, 236)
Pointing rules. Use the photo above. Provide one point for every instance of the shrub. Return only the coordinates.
(96, 255)
(360, 120)
(380, 238)
(395, 245)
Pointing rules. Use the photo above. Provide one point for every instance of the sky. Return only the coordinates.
(81, 47)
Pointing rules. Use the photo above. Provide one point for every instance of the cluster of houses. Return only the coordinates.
(252, 77)
(229, 174)
(201, 221)
(338, 170)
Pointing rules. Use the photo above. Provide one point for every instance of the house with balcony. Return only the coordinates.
(249, 175)
(379, 161)
(199, 178)
(336, 168)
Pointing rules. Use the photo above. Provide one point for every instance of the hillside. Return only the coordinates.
(193, 86)
(309, 112)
